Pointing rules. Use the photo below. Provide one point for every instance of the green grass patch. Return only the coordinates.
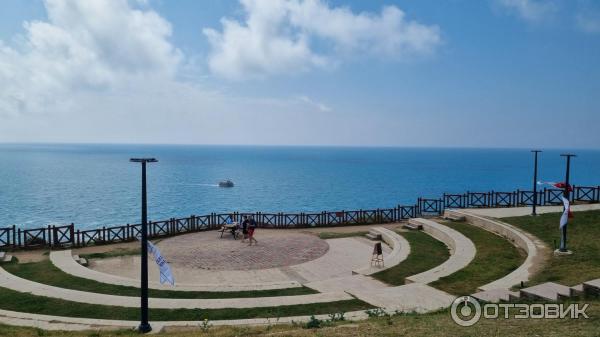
(113, 253)
(425, 253)
(45, 272)
(583, 238)
(25, 302)
(495, 258)
(335, 235)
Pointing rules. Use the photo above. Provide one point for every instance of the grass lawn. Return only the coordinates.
(425, 253)
(112, 253)
(45, 272)
(583, 238)
(25, 302)
(335, 235)
(433, 324)
(495, 258)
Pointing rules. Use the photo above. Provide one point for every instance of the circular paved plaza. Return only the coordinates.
(276, 248)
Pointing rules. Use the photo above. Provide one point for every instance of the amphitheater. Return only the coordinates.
(323, 270)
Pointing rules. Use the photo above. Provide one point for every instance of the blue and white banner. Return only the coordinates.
(165, 271)
(564, 219)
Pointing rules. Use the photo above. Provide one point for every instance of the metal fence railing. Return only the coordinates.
(14, 237)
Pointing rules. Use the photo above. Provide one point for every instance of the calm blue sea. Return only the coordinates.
(94, 185)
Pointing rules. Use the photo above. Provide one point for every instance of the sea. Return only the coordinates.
(95, 185)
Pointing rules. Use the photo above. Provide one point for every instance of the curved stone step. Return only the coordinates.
(400, 250)
(462, 251)
(495, 295)
(526, 241)
(548, 291)
(415, 226)
(592, 287)
(374, 237)
(64, 261)
(13, 282)
(49, 322)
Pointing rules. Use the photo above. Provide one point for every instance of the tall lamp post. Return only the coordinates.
(535, 173)
(144, 325)
(563, 241)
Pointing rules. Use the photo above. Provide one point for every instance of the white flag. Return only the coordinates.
(565, 216)
(165, 271)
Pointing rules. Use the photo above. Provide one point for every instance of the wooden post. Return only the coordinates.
(48, 240)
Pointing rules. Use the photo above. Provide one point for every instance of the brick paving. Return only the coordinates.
(276, 248)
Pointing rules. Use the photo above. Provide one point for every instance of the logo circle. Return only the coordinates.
(463, 316)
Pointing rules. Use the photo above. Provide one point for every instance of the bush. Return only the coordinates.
(313, 323)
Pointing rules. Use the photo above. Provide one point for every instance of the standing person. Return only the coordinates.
(245, 228)
(251, 228)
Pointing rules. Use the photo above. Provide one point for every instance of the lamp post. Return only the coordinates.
(535, 173)
(144, 325)
(563, 239)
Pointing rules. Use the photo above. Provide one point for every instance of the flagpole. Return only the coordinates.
(535, 174)
(566, 192)
(144, 326)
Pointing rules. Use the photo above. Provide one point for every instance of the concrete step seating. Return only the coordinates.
(525, 241)
(412, 225)
(576, 291)
(400, 250)
(549, 291)
(82, 261)
(5, 257)
(453, 217)
(373, 235)
(13, 282)
(462, 251)
(495, 295)
(592, 287)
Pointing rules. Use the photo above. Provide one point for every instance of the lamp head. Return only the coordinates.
(143, 160)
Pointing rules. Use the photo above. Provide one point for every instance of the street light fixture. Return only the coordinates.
(535, 174)
(566, 192)
(144, 325)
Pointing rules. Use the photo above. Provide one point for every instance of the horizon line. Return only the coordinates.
(309, 145)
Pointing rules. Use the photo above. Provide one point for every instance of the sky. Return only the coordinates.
(434, 73)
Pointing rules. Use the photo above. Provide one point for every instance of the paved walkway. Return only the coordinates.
(48, 322)
(522, 211)
(10, 281)
(462, 251)
(406, 298)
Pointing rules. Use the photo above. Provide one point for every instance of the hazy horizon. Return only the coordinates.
(309, 145)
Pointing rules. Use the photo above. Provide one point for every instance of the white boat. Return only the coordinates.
(226, 183)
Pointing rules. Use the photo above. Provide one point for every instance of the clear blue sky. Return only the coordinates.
(497, 73)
